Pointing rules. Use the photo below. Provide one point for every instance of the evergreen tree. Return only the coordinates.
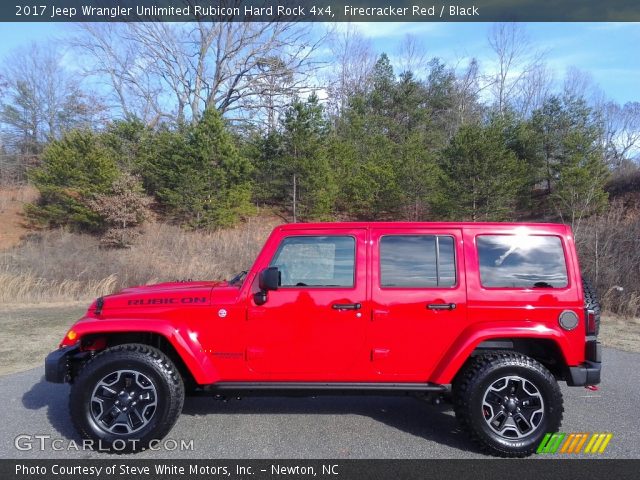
(270, 176)
(304, 163)
(74, 169)
(481, 175)
(198, 175)
(571, 156)
(364, 158)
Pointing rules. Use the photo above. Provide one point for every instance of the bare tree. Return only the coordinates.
(38, 95)
(580, 84)
(118, 64)
(468, 88)
(353, 61)
(179, 70)
(40, 100)
(412, 56)
(621, 128)
(275, 89)
(516, 59)
(534, 88)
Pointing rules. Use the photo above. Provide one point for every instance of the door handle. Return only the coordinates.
(441, 306)
(346, 306)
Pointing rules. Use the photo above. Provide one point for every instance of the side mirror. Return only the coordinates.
(269, 279)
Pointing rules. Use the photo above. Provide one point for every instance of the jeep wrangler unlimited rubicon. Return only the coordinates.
(494, 314)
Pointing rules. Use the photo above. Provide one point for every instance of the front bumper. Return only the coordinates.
(589, 372)
(57, 365)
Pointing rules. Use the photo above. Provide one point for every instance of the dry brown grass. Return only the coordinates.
(12, 222)
(620, 332)
(60, 266)
(38, 328)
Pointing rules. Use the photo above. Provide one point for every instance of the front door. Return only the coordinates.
(314, 324)
(418, 299)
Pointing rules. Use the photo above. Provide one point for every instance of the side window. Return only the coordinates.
(314, 261)
(417, 261)
(521, 261)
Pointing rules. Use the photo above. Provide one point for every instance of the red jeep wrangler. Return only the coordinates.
(493, 313)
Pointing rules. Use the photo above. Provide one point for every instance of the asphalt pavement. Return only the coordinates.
(36, 413)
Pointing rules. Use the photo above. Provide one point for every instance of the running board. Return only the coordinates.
(319, 388)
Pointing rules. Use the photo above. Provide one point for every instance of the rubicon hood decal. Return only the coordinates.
(168, 301)
(168, 295)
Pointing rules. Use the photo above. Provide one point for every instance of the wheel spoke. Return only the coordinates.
(109, 416)
(499, 421)
(530, 404)
(105, 393)
(123, 402)
(521, 423)
(135, 419)
(493, 398)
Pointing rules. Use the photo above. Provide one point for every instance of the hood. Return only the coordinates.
(168, 294)
(172, 287)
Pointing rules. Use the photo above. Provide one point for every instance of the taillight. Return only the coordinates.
(590, 317)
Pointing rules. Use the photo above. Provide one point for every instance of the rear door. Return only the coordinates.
(418, 298)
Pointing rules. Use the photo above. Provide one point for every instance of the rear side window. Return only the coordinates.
(417, 261)
(314, 261)
(521, 261)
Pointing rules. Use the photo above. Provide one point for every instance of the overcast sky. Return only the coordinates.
(610, 52)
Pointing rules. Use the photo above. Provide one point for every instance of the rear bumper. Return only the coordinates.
(57, 364)
(586, 374)
(589, 372)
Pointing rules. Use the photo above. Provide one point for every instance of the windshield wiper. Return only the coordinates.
(238, 277)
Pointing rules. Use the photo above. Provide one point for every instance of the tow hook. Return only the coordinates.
(593, 388)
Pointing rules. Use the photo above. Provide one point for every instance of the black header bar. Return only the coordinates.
(320, 10)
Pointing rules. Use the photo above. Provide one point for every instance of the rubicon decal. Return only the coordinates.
(574, 443)
(166, 301)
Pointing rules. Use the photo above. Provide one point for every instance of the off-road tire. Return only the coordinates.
(475, 378)
(151, 364)
(591, 301)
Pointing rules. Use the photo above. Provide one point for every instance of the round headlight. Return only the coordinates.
(568, 320)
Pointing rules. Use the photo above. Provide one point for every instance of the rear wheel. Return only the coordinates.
(125, 397)
(507, 402)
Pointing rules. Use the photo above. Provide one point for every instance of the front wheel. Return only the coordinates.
(507, 402)
(126, 397)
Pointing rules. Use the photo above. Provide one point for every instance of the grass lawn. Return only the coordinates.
(29, 332)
